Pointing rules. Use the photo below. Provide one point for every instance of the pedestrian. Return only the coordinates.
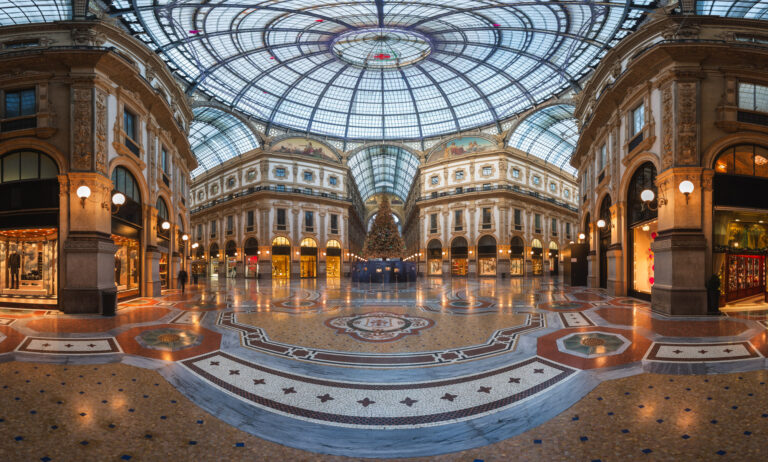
(182, 279)
(194, 277)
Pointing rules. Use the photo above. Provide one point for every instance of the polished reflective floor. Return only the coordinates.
(333, 367)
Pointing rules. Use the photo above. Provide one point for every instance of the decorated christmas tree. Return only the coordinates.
(384, 240)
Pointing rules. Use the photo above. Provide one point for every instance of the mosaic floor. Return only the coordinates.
(434, 367)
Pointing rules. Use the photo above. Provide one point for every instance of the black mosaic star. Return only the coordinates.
(409, 402)
(234, 372)
(449, 397)
(514, 380)
(69, 345)
(702, 351)
(258, 381)
(91, 345)
(677, 352)
(325, 397)
(366, 402)
(538, 371)
(485, 390)
(288, 390)
(727, 350)
(214, 363)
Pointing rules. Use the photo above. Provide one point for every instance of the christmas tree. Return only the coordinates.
(384, 240)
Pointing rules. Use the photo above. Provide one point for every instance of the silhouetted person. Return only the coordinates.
(182, 277)
(14, 262)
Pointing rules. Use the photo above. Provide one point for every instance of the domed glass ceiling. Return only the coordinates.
(217, 136)
(383, 169)
(550, 134)
(384, 69)
(750, 9)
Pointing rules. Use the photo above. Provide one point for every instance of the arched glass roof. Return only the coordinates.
(27, 11)
(381, 69)
(383, 169)
(217, 136)
(550, 134)
(750, 9)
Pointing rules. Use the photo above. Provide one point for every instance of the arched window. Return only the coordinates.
(308, 242)
(214, 253)
(251, 246)
(333, 245)
(605, 215)
(280, 241)
(486, 246)
(642, 179)
(517, 246)
(27, 165)
(162, 210)
(124, 182)
(744, 159)
(231, 249)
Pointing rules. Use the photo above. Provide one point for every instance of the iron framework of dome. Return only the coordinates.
(381, 69)
(550, 133)
(217, 136)
(383, 169)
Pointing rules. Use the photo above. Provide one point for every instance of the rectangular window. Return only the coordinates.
(753, 97)
(638, 119)
(486, 186)
(280, 172)
(213, 228)
(602, 158)
(433, 223)
(19, 103)
(515, 173)
(280, 187)
(554, 227)
(307, 176)
(537, 223)
(458, 222)
(460, 175)
(281, 225)
(487, 171)
(334, 224)
(309, 221)
(486, 218)
(230, 224)
(164, 161)
(249, 220)
(568, 230)
(129, 124)
(518, 219)
(199, 232)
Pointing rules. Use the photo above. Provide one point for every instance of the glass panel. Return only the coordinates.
(11, 167)
(743, 163)
(27, 102)
(281, 266)
(12, 104)
(746, 96)
(642, 257)
(549, 134)
(48, 168)
(761, 161)
(28, 265)
(724, 163)
(28, 165)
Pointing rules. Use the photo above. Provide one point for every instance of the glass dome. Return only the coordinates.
(217, 136)
(550, 134)
(381, 70)
(383, 169)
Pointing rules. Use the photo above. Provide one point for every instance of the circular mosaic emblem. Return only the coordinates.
(379, 326)
(168, 339)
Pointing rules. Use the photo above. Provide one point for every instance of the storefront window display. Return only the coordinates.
(486, 256)
(333, 259)
(214, 261)
(251, 250)
(516, 258)
(537, 258)
(643, 265)
(308, 260)
(126, 266)
(434, 258)
(164, 270)
(741, 244)
(231, 253)
(281, 258)
(28, 262)
(459, 257)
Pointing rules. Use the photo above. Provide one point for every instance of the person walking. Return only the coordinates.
(182, 278)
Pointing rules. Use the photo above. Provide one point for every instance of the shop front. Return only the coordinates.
(537, 258)
(29, 214)
(517, 257)
(642, 228)
(163, 242)
(308, 258)
(604, 230)
(251, 251)
(486, 256)
(127, 225)
(740, 222)
(333, 259)
(213, 261)
(554, 255)
(230, 252)
(434, 258)
(459, 257)
(281, 258)
(199, 266)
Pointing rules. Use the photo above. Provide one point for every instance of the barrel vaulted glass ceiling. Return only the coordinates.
(750, 9)
(26, 11)
(383, 69)
(217, 136)
(383, 169)
(550, 134)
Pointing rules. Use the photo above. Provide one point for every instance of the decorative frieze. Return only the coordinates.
(82, 123)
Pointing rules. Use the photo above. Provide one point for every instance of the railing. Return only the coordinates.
(133, 147)
(635, 142)
(19, 123)
(752, 117)
(256, 189)
(513, 188)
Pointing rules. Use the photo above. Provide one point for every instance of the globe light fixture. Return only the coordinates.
(166, 226)
(582, 236)
(184, 237)
(118, 199)
(195, 245)
(686, 187)
(83, 192)
(647, 195)
(601, 224)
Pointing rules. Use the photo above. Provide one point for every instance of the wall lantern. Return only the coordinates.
(184, 237)
(166, 225)
(118, 199)
(601, 224)
(83, 192)
(195, 245)
(686, 187)
(649, 200)
(582, 236)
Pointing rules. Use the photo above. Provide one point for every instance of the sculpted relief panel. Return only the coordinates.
(82, 123)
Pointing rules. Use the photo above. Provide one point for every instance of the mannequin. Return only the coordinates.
(14, 262)
(118, 269)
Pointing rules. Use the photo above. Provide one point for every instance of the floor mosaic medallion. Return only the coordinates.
(379, 326)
